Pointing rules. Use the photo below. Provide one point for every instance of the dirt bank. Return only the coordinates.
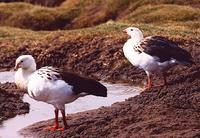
(10, 102)
(47, 3)
(87, 56)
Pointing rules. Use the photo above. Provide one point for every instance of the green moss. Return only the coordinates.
(10, 33)
(163, 13)
(111, 29)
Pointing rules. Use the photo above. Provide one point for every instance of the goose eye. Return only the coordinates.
(131, 29)
(22, 61)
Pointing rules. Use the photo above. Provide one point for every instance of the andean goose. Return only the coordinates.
(154, 54)
(54, 86)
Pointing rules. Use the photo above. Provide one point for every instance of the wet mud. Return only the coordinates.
(11, 103)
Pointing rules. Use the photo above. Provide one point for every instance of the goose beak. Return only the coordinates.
(124, 31)
(17, 66)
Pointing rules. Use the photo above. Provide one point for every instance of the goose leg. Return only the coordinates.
(55, 127)
(149, 82)
(64, 121)
(164, 80)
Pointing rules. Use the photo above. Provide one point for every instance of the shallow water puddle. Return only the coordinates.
(6, 76)
(40, 111)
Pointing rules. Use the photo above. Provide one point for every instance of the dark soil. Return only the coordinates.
(11, 103)
(170, 111)
(87, 56)
(47, 3)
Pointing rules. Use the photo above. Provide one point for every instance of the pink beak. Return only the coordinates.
(16, 67)
(124, 31)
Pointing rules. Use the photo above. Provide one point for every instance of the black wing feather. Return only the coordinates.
(82, 84)
(165, 49)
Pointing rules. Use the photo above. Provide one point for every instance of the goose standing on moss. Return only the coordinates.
(54, 86)
(153, 54)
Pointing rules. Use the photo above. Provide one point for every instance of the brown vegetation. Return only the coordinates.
(78, 14)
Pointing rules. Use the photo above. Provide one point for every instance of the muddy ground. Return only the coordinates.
(11, 103)
(170, 111)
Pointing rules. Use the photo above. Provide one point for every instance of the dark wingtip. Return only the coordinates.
(104, 92)
(188, 63)
(97, 89)
(101, 91)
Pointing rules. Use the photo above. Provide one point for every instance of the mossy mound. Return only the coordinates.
(86, 13)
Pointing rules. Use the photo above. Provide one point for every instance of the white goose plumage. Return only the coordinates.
(54, 86)
(153, 54)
